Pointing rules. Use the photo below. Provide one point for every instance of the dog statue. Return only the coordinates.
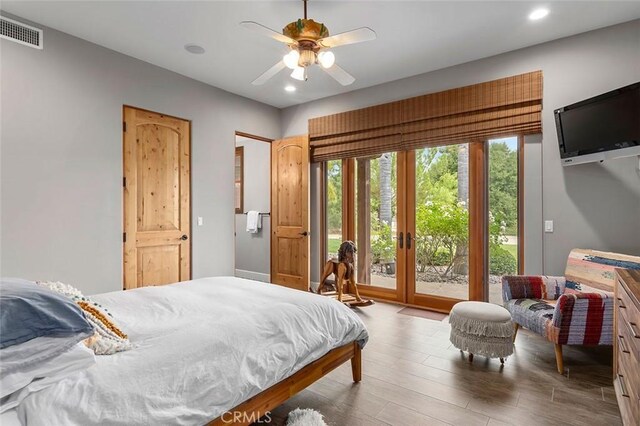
(344, 271)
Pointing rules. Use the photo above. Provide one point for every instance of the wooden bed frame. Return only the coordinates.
(254, 408)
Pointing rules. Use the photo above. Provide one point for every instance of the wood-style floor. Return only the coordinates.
(413, 376)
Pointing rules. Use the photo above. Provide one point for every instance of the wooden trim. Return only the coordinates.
(406, 201)
(129, 270)
(380, 293)
(250, 136)
(124, 106)
(478, 242)
(254, 408)
(324, 236)
(432, 302)
(348, 199)
(239, 153)
(521, 213)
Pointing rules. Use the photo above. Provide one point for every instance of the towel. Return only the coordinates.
(253, 222)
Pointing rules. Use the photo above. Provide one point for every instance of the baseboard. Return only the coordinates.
(250, 275)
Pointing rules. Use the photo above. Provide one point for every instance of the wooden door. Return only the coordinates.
(157, 179)
(290, 212)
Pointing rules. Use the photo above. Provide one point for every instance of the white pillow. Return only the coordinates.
(16, 384)
(25, 356)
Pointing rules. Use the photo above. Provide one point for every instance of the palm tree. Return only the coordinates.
(385, 189)
(461, 266)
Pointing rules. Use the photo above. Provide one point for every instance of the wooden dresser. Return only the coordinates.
(626, 347)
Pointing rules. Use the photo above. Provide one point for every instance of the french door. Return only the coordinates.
(422, 220)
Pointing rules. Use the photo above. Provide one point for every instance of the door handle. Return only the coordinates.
(304, 234)
(400, 240)
(408, 240)
(184, 237)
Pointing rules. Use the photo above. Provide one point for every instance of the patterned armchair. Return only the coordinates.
(576, 309)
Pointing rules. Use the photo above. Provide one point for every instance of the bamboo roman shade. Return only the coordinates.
(508, 106)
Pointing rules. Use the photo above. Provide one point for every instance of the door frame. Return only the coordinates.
(124, 222)
(237, 134)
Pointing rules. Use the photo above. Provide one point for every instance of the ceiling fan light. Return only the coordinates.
(326, 59)
(307, 57)
(299, 74)
(291, 59)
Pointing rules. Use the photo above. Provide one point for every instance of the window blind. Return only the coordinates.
(503, 107)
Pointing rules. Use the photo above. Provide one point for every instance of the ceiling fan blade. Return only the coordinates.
(350, 37)
(269, 73)
(340, 75)
(254, 26)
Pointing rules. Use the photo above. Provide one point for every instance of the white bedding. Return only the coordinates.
(200, 348)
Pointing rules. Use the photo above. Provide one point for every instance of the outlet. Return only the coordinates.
(548, 226)
(200, 221)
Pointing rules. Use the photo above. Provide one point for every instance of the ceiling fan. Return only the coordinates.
(309, 43)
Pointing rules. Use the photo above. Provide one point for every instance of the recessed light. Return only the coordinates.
(194, 48)
(290, 88)
(538, 14)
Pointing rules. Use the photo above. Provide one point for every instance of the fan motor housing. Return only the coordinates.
(306, 29)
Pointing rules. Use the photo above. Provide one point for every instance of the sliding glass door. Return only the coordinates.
(432, 226)
(378, 219)
(438, 223)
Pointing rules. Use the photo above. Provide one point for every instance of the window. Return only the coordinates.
(442, 221)
(334, 207)
(504, 209)
(433, 225)
(376, 220)
(239, 179)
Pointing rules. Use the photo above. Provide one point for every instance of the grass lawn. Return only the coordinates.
(334, 245)
(511, 248)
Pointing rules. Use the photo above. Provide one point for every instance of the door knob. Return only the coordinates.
(184, 237)
(304, 234)
(408, 240)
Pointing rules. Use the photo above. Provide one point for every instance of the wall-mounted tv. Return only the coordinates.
(604, 127)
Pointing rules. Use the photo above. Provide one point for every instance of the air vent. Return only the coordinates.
(20, 33)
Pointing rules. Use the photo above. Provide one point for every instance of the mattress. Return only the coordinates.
(201, 347)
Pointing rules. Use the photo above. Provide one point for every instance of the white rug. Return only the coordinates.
(305, 417)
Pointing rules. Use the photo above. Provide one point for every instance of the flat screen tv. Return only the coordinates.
(604, 127)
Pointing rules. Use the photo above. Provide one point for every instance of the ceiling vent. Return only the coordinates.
(20, 33)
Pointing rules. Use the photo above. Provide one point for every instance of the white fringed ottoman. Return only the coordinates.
(481, 328)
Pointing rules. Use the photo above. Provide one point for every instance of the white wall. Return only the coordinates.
(253, 251)
(593, 205)
(61, 163)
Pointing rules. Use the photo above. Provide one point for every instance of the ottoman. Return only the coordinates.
(481, 328)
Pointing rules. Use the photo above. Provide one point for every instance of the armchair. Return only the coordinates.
(576, 309)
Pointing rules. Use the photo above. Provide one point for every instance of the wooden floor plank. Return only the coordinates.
(412, 375)
(398, 415)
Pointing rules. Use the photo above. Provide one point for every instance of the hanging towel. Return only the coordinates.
(253, 222)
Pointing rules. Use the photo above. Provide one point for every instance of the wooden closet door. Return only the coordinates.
(157, 245)
(290, 212)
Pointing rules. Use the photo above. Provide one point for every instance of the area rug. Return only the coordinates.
(421, 313)
(305, 417)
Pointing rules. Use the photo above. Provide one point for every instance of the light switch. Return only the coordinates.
(548, 226)
(200, 221)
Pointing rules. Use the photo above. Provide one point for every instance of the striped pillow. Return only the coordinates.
(108, 337)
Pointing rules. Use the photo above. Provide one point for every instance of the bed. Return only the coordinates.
(204, 350)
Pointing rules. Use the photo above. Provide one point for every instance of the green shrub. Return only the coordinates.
(501, 262)
(441, 258)
(383, 246)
